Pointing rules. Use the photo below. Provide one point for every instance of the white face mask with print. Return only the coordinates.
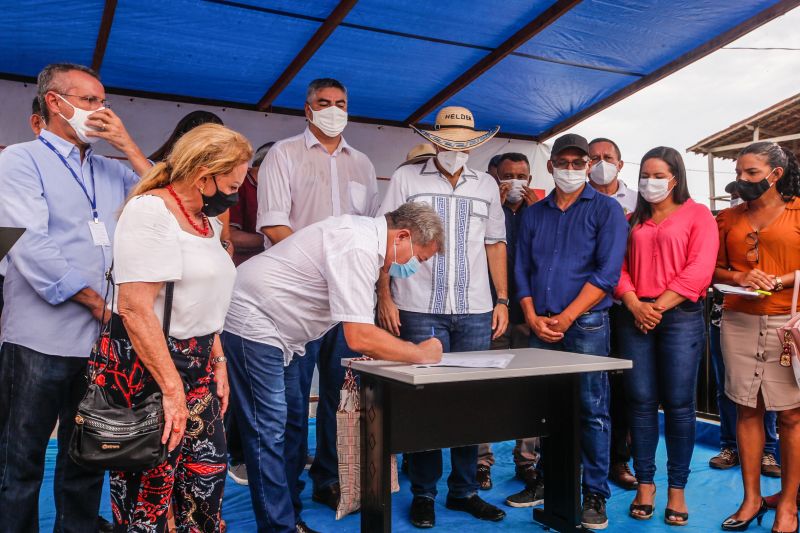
(603, 172)
(78, 122)
(569, 180)
(451, 161)
(331, 120)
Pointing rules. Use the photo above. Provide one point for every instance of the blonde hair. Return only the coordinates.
(215, 147)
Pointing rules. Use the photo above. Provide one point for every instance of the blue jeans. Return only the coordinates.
(458, 333)
(590, 334)
(665, 365)
(726, 407)
(267, 401)
(36, 390)
(328, 351)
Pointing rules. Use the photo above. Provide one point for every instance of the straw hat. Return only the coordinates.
(420, 153)
(455, 130)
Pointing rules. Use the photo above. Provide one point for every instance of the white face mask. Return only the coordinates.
(515, 194)
(569, 180)
(655, 190)
(331, 120)
(451, 161)
(78, 122)
(603, 172)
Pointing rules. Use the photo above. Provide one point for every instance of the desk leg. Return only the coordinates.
(561, 456)
(376, 497)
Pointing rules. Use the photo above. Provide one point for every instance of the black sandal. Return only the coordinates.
(640, 511)
(671, 515)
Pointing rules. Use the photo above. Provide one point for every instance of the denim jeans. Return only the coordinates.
(726, 407)
(458, 333)
(590, 334)
(328, 351)
(265, 396)
(665, 365)
(36, 390)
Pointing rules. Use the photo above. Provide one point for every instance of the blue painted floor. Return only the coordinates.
(712, 495)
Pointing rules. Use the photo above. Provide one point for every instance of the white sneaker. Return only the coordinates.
(238, 473)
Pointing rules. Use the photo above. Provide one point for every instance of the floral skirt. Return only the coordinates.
(193, 476)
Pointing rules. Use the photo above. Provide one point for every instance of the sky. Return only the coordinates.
(701, 99)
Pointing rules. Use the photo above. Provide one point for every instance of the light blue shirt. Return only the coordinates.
(56, 256)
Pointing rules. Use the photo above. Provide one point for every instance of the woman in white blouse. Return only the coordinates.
(168, 232)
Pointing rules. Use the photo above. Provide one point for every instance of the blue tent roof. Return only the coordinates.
(532, 66)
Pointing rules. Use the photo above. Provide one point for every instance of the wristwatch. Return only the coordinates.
(778, 284)
(220, 359)
(504, 301)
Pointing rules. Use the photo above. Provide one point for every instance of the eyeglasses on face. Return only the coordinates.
(92, 102)
(577, 164)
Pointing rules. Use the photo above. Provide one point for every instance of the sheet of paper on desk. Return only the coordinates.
(499, 360)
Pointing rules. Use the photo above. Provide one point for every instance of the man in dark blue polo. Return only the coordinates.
(569, 255)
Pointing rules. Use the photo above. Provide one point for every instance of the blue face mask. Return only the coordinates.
(405, 270)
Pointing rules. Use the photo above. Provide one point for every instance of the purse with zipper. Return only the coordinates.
(108, 436)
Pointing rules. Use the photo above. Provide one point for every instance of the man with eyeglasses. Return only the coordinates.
(569, 255)
(67, 198)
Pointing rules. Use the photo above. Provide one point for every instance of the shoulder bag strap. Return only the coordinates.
(168, 307)
(795, 291)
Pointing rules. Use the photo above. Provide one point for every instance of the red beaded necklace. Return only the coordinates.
(204, 231)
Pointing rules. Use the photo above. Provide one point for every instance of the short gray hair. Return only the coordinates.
(421, 220)
(46, 81)
(323, 83)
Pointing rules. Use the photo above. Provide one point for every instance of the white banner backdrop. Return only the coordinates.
(151, 121)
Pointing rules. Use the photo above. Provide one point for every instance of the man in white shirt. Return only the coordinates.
(450, 297)
(292, 294)
(606, 162)
(305, 179)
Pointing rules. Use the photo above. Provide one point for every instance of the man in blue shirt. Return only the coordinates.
(569, 255)
(68, 200)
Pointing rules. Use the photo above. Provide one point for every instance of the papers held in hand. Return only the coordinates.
(499, 360)
(740, 291)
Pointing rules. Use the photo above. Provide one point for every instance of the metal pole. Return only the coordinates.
(711, 185)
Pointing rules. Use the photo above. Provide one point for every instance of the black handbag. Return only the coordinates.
(118, 437)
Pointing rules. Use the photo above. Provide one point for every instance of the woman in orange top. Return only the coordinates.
(760, 249)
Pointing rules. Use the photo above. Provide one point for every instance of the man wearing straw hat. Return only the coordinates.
(449, 297)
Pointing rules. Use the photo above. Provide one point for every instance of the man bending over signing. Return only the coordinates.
(292, 294)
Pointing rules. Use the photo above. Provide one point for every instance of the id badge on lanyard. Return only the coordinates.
(97, 228)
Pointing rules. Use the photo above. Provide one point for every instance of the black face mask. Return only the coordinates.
(752, 190)
(219, 202)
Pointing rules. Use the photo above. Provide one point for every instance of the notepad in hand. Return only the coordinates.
(740, 291)
(499, 360)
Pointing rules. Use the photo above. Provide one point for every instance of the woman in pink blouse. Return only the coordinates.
(672, 250)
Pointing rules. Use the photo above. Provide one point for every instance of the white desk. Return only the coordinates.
(527, 362)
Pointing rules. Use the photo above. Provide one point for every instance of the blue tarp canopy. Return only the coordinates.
(533, 67)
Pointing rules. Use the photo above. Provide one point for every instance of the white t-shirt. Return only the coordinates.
(150, 246)
(301, 287)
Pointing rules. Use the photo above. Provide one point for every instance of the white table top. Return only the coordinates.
(526, 362)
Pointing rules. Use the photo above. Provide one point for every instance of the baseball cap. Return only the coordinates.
(570, 140)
